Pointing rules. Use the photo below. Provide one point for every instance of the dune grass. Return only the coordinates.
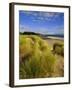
(36, 58)
(59, 48)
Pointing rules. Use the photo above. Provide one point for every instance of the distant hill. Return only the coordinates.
(42, 35)
(29, 33)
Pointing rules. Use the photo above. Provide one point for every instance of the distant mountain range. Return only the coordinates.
(42, 35)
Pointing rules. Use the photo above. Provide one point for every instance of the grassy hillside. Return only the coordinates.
(36, 58)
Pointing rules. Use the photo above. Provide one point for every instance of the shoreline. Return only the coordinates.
(55, 38)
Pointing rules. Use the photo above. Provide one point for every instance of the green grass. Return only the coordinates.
(36, 58)
(59, 48)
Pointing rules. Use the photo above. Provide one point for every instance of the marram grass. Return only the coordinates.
(36, 58)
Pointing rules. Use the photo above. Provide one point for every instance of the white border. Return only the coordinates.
(16, 45)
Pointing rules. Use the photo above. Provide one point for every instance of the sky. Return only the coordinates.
(41, 22)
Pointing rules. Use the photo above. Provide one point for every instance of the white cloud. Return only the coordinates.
(24, 28)
(38, 15)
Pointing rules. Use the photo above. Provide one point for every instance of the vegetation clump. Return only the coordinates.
(59, 48)
(36, 58)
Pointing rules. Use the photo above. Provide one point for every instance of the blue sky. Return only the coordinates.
(41, 22)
